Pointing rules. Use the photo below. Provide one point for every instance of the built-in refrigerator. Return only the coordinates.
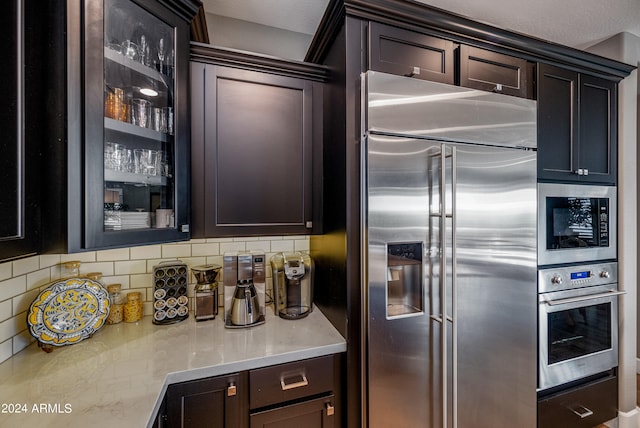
(448, 178)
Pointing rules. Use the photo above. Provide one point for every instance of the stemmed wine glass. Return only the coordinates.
(161, 54)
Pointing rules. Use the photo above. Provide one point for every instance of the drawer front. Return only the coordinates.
(317, 413)
(291, 381)
(583, 407)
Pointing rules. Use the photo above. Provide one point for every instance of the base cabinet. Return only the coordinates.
(216, 402)
(303, 393)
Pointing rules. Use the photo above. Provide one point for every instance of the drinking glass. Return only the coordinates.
(140, 111)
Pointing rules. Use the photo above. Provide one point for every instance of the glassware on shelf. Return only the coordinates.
(115, 105)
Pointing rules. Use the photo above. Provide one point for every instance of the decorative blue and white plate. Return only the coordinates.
(68, 311)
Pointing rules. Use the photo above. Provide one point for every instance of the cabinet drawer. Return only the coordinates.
(492, 71)
(408, 53)
(291, 381)
(583, 407)
(317, 413)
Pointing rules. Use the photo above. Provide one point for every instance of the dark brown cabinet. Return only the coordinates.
(217, 402)
(303, 393)
(577, 129)
(495, 72)
(256, 147)
(117, 141)
(408, 53)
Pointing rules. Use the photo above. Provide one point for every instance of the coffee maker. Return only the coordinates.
(292, 284)
(206, 291)
(244, 289)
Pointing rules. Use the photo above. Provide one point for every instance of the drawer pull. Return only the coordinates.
(581, 411)
(330, 409)
(231, 390)
(293, 385)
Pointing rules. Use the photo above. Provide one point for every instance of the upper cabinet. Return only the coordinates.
(256, 149)
(123, 173)
(408, 53)
(19, 211)
(577, 130)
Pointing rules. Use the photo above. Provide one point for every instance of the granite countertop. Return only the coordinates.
(119, 376)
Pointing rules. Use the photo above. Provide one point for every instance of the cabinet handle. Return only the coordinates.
(287, 386)
(581, 411)
(330, 409)
(582, 171)
(414, 72)
(231, 390)
(498, 87)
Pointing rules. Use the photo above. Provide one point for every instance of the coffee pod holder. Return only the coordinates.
(170, 301)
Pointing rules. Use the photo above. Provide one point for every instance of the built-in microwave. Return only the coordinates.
(576, 223)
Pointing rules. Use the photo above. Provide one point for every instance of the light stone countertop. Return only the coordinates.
(119, 376)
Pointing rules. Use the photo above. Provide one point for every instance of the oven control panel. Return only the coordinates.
(568, 277)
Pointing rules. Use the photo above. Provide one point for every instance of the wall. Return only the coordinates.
(252, 37)
(22, 280)
(626, 47)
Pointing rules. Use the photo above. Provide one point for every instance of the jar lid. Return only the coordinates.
(96, 276)
(114, 288)
(72, 264)
(135, 295)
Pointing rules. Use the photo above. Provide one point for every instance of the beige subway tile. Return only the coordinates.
(258, 246)
(6, 270)
(198, 241)
(176, 250)
(6, 350)
(13, 287)
(12, 326)
(22, 340)
(105, 268)
(147, 309)
(301, 244)
(5, 310)
(194, 261)
(130, 267)
(88, 257)
(269, 238)
(229, 247)
(48, 260)
(24, 266)
(219, 240)
(140, 281)
(146, 252)
(117, 279)
(210, 249)
(282, 246)
(218, 260)
(112, 255)
(22, 302)
(38, 278)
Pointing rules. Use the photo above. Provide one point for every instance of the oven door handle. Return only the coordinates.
(583, 298)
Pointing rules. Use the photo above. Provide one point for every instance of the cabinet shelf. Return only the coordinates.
(130, 177)
(127, 128)
(136, 66)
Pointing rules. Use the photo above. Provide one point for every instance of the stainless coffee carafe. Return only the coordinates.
(245, 308)
(206, 291)
(292, 284)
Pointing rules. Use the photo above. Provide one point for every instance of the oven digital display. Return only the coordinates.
(581, 275)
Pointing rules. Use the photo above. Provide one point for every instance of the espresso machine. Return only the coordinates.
(244, 289)
(206, 291)
(292, 284)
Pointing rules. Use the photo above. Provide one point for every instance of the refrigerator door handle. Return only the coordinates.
(443, 277)
(454, 289)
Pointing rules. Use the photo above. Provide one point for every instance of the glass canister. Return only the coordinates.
(133, 307)
(118, 300)
(70, 269)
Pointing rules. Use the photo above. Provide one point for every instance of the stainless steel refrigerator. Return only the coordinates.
(449, 244)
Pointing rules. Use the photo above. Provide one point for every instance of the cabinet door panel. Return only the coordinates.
(207, 403)
(597, 130)
(492, 71)
(557, 120)
(308, 414)
(396, 51)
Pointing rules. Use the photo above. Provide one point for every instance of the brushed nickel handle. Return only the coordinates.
(329, 408)
(414, 72)
(584, 298)
(299, 384)
(581, 411)
(232, 390)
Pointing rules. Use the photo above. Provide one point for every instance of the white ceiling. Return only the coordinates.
(575, 23)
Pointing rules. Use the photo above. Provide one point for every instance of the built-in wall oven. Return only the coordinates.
(578, 322)
(576, 223)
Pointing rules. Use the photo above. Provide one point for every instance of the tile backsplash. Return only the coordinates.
(22, 280)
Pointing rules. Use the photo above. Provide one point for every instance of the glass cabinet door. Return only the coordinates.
(132, 139)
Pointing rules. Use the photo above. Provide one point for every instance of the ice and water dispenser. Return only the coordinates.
(404, 279)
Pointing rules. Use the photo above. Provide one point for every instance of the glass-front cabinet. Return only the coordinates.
(134, 130)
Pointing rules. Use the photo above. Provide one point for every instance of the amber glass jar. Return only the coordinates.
(133, 307)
